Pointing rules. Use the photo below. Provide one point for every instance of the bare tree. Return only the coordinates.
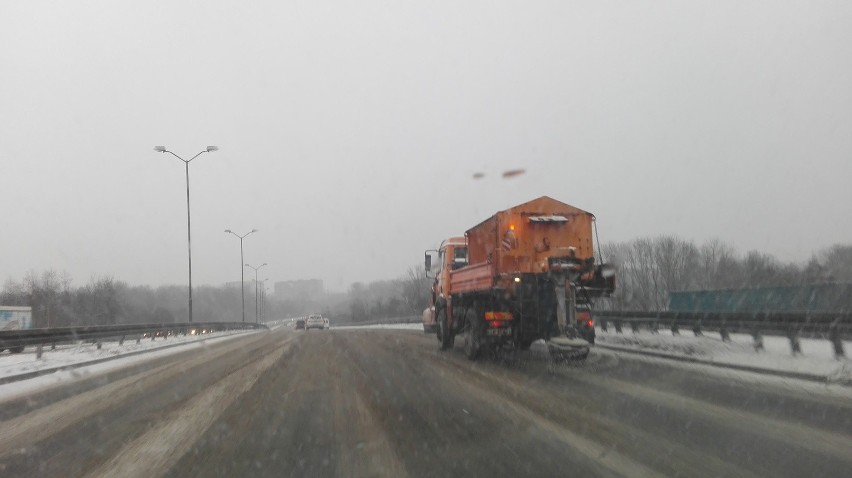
(640, 283)
(415, 289)
(677, 262)
(835, 263)
(651, 268)
(717, 260)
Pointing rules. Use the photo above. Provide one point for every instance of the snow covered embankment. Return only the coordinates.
(815, 362)
(24, 365)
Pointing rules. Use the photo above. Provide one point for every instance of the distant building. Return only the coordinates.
(232, 285)
(306, 289)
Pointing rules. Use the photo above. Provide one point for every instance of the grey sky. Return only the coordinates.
(349, 131)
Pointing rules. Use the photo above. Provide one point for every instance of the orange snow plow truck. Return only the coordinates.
(519, 276)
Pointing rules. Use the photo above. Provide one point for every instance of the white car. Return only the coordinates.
(315, 321)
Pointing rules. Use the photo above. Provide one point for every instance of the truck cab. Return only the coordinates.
(451, 255)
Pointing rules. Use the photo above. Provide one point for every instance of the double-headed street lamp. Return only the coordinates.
(242, 269)
(255, 288)
(210, 149)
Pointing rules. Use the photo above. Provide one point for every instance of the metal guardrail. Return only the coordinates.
(16, 340)
(834, 327)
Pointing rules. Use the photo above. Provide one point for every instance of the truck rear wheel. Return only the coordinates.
(473, 338)
(445, 335)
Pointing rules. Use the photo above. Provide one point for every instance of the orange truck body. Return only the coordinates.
(521, 240)
(509, 271)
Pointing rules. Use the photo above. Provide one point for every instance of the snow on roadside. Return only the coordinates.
(78, 355)
(380, 326)
(276, 324)
(817, 357)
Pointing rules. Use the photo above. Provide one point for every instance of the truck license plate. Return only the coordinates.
(506, 331)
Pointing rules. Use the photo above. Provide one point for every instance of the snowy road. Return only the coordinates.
(384, 402)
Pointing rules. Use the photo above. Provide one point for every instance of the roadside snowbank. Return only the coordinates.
(817, 357)
(76, 357)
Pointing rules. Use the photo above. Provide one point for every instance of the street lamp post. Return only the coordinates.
(255, 288)
(242, 269)
(210, 149)
(263, 290)
(266, 291)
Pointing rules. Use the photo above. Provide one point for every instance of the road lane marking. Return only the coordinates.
(794, 434)
(486, 382)
(158, 449)
(358, 424)
(25, 430)
(601, 454)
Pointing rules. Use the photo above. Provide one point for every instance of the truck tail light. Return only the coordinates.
(491, 315)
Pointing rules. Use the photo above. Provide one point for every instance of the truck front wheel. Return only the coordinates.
(445, 335)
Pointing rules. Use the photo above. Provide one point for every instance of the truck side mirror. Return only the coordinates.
(428, 263)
